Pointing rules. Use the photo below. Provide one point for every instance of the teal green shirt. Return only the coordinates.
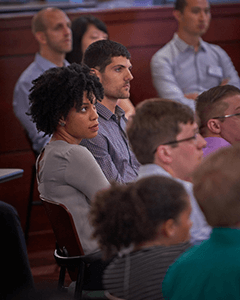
(210, 270)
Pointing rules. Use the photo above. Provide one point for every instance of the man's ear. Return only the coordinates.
(41, 37)
(214, 126)
(163, 154)
(177, 14)
(95, 72)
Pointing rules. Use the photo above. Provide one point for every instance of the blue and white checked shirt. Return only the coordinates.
(111, 148)
(21, 101)
(177, 69)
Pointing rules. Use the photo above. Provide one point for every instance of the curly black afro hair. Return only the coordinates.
(58, 90)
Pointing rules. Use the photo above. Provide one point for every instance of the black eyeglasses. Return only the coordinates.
(194, 137)
(227, 116)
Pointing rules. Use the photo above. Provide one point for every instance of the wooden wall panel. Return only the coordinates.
(17, 41)
(14, 137)
(233, 49)
(142, 30)
(141, 85)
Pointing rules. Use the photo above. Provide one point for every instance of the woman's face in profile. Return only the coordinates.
(83, 123)
(92, 35)
(183, 225)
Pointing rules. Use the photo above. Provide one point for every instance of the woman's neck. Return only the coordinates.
(62, 136)
(148, 244)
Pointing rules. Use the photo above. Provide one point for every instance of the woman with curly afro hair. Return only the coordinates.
(147, 225)
(62, 104)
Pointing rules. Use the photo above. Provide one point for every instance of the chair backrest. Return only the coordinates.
(63, 227)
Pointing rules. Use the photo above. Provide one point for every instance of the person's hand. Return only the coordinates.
(127, 106)
(111, 297)
(224, 81)
(192, 96)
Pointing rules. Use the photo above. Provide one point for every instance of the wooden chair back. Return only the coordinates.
(63, 227)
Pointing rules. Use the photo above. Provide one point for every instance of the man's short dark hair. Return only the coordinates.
(99, 54)
(180, 5)
(209, 104)
(155, 122)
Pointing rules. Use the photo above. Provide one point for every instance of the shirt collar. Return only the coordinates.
(216, 141)
(47, 64)
(183, 46)
(150, 170)
(104, 112)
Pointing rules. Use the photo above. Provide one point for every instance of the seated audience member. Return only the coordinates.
(147, 223)
(166, 141)
(16, 279)
(187, 66)
(51, 28)
(218, 110)
(110, 62)
(63, 105)
(212, 270)
(86, 30)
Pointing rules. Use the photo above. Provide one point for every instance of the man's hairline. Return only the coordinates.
(98, 67)
(180, 131)
(53, 10)
(222, 101)
(209, 6)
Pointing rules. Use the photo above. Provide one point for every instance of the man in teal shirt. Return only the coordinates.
(211, 270)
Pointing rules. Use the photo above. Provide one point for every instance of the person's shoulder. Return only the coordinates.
(164, 51)
(214, 47)
(63, 148)
(182, 247)
(74, 149)
(29, 74)
(7, 209)
(165, 55)
(73, 153)
(188, 256)
(187, 185)
(107, 126)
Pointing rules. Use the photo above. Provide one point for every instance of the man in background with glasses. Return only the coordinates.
(218, 110)
(165, 139)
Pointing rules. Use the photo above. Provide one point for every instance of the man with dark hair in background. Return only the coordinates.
(110, 62)
(218, 111)
(165, 139)
(187, 66)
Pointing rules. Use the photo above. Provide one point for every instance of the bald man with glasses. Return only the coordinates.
(166, 141)
(218, 111)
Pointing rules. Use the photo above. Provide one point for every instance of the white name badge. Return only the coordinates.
(215, 71)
